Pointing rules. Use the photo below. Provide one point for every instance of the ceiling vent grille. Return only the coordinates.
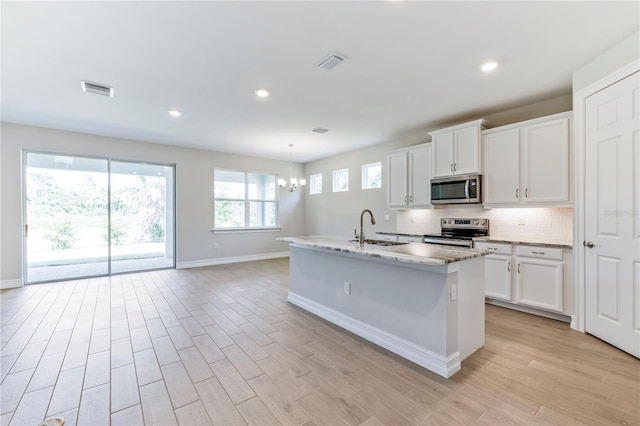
(320, 130)
(96, 89)
(331, 61)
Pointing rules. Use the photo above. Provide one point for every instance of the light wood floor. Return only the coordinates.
(221, 345)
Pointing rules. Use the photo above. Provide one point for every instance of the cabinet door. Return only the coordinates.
(420, 177)
(540, 283)
(497, 277)
(545, 168)
(501, 157)
(397, 180)
(443, 154)
(466, 155)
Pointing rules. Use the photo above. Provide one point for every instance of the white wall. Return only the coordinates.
(194, 189)
(612, 60)
(339, 213)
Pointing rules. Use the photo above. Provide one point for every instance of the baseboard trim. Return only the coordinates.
(233, 259)
(528, 310)
(445, 367)
(15, 283)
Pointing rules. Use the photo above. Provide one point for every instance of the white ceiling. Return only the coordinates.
(411, 66)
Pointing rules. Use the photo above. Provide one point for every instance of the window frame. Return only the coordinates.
(365, 175)
(312, 186)
(247, 203)
(333, 183)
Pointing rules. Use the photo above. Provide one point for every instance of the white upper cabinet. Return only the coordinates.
(409, 177)
(456, 150)
(528, 163)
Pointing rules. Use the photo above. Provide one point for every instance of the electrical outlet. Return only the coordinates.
(347, 287)
(521, 221)
(387, 217)
(454, 292)
(216, 245)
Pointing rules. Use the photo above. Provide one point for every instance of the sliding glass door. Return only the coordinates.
(89, 217)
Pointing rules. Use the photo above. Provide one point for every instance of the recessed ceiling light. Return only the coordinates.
(263, 93)
(174, 113)
(489, 66)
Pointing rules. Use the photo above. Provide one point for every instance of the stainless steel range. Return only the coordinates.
(458, 232)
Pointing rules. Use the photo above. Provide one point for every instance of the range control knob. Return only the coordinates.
(476, 222)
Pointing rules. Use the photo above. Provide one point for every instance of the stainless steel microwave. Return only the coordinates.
(456, 190)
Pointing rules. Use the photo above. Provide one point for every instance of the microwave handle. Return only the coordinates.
(466, 188)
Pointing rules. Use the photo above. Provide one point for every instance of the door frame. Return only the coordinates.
(23, 157)
(579, 107)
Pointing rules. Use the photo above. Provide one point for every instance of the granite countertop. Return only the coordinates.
(400, 234)
(417, 253)
(546, 243)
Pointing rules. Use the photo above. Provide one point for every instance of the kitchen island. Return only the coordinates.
(423, 302)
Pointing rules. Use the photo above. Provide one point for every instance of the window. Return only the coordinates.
(340, 180)
(244, 200)
(315, 184)
(372, 175)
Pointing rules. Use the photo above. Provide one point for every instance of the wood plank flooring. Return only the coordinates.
(221, 345)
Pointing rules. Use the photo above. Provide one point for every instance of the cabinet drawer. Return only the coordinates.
(539, 252)
(408, 239)
(498, 248)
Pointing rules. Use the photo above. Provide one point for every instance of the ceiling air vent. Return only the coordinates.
(320, 130)
(331, 61)
(96, 89)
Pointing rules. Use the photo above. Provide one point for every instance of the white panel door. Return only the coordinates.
(420, 176)
(612, 222)
(501, 167)
(397, 180)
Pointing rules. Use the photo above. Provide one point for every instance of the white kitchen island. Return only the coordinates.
(423, 302)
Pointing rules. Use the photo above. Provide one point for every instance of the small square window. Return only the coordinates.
(315, 184)
(372, 175)
(341, 180)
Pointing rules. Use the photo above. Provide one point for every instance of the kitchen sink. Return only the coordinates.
(383, 243)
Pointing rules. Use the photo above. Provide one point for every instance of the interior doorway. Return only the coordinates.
(87, 217)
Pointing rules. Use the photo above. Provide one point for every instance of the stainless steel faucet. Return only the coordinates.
(373, 222)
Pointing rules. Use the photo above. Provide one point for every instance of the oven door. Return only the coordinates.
(456, 190)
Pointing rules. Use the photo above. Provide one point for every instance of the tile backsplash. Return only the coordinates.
(524, 224)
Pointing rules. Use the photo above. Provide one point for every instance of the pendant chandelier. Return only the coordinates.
(293, 183)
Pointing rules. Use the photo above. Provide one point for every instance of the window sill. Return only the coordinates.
(244, 230)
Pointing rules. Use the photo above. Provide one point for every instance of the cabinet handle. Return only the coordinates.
(26, 230)
(493, 248)
(406, 200)
(509, 266)
(411, 198)
(537, 252)
(518, 268)
(517, 191)
(455, 167)
(451, 167)
(526, 192)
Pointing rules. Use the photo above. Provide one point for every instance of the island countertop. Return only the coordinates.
(417, 253)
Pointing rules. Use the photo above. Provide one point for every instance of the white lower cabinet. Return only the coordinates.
(539, 281)
(530, 276)
(497, 270)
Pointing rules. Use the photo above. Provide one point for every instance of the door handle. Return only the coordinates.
(588, 244)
